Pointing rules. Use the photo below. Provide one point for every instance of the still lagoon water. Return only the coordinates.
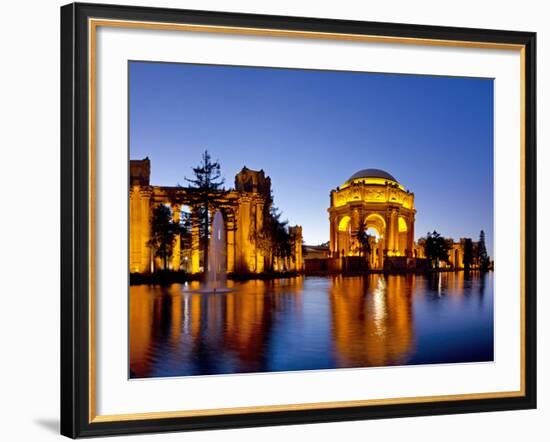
(308, 323)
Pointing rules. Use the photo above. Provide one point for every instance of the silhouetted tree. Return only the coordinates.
(263, 238)
(476, 253)
(278, 235)
(274, 237)
(468, 259)
(206, 194)
(363, 238)
(163, 233)
(185, 236)
(436, 248)
(483, 257)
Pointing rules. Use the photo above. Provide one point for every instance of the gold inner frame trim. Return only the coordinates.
(299, 34)
(305, 406)
(93, 24)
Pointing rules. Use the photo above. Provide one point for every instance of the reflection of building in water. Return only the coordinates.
(243, 209)
(140, 321)
(310, 323)
(250, 316)
(372, 322)
(247, 323)
(173, 330)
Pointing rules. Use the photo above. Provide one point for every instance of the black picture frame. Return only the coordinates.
(75, 221)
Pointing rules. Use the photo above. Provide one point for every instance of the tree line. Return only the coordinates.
(436, 249)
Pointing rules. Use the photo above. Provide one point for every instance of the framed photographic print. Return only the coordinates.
(274, 220)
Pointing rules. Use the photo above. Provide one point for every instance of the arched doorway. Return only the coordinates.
(376, 228)
(402, 234)
(344, 235)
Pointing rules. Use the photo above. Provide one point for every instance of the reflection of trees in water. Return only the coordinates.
(247, 322)
(458, 284)
(372, 319)
(481, 287)
(461, 285)
(474, 282)
(175, 331)
(441, 284)
(170, 327)
(162, 317)
(250, 315)
(482, 278)
(371, 324)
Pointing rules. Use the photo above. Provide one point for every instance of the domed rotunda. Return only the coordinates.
(374, 201)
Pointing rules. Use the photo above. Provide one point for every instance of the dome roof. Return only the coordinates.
(371, 173)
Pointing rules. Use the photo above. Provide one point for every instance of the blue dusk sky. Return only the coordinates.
(311, 130)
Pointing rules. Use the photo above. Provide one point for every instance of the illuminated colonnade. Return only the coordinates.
(373, 200)
(242, 208)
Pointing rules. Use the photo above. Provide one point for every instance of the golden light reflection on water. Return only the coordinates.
(372, 320)
(306, 323)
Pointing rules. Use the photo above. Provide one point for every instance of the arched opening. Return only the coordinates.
(373, 231)
(377, 223)
(376, 227)
(344, 224)
(344, 235)
(402, 233)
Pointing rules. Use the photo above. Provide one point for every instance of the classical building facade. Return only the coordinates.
(243, 209)
(375, 201)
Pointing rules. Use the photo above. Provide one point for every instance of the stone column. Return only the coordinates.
(230, 233)
(388, 231)
(336, 237)
(140, 230)
(395, 231)
(410, 237)
(299, 251)
(381, 246)
(332, 236)
(176, 247)
(354, 228)
(392, 239)
(195, 241)
(259, 227)
(156, 261)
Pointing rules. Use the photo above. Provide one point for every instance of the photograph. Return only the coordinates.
(286, 219)
(277, 218)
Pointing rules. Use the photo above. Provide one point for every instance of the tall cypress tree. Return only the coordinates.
(206, 193)
(482, 252)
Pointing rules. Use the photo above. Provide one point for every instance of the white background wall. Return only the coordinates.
(29, 220)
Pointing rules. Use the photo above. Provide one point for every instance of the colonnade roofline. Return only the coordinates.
(182, 195)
